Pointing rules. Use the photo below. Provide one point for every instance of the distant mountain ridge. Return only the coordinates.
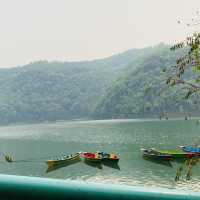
(103, 88)
(58, 90)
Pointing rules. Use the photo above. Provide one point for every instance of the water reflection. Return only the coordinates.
(110, 164)
(160, 162)
(94, 164)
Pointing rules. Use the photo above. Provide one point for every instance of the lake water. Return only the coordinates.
(31, 145)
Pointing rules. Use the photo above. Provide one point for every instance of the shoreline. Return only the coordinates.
(90, 120)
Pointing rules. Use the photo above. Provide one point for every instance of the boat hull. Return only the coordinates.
(155, 155)
(177, 154)
(91, 157)
(63, 161)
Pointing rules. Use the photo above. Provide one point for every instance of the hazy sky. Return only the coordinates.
(33, 30)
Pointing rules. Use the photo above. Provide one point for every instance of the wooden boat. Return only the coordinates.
(155, 155)
(108, 157)
(63, 160)
(92, 157)
(175, 154)
(61, 165)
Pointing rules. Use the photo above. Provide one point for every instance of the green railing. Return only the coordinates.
(20, 187)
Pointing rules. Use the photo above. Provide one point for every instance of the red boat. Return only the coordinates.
(93, 157)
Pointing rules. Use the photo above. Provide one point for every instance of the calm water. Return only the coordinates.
(36, 143)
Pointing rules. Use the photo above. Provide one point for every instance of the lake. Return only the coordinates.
(30, 145)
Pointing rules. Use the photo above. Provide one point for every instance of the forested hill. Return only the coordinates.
(59, 90)
(130, 84)
(143, 92)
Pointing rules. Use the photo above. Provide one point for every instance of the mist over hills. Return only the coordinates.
(123, 85)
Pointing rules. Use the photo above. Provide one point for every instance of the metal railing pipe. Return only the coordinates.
(21, 187)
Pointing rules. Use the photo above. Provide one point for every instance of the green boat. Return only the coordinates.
(177, 154)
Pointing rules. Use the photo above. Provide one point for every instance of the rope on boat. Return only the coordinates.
(10, 159)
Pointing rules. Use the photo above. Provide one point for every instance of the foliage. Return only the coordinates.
(185, 64)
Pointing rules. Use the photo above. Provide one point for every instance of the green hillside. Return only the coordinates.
(143, 92)
(52, 91)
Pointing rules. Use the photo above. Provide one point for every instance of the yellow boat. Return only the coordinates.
(63, 160)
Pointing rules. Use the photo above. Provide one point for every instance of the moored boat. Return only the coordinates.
(93, 157)
(167, 154)
(177, 154)
(155, 155)
(108, 157)
(63, 160)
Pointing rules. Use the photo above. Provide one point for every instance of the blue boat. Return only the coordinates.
(191, 149)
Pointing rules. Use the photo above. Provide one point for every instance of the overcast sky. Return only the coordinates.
(64, 30)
